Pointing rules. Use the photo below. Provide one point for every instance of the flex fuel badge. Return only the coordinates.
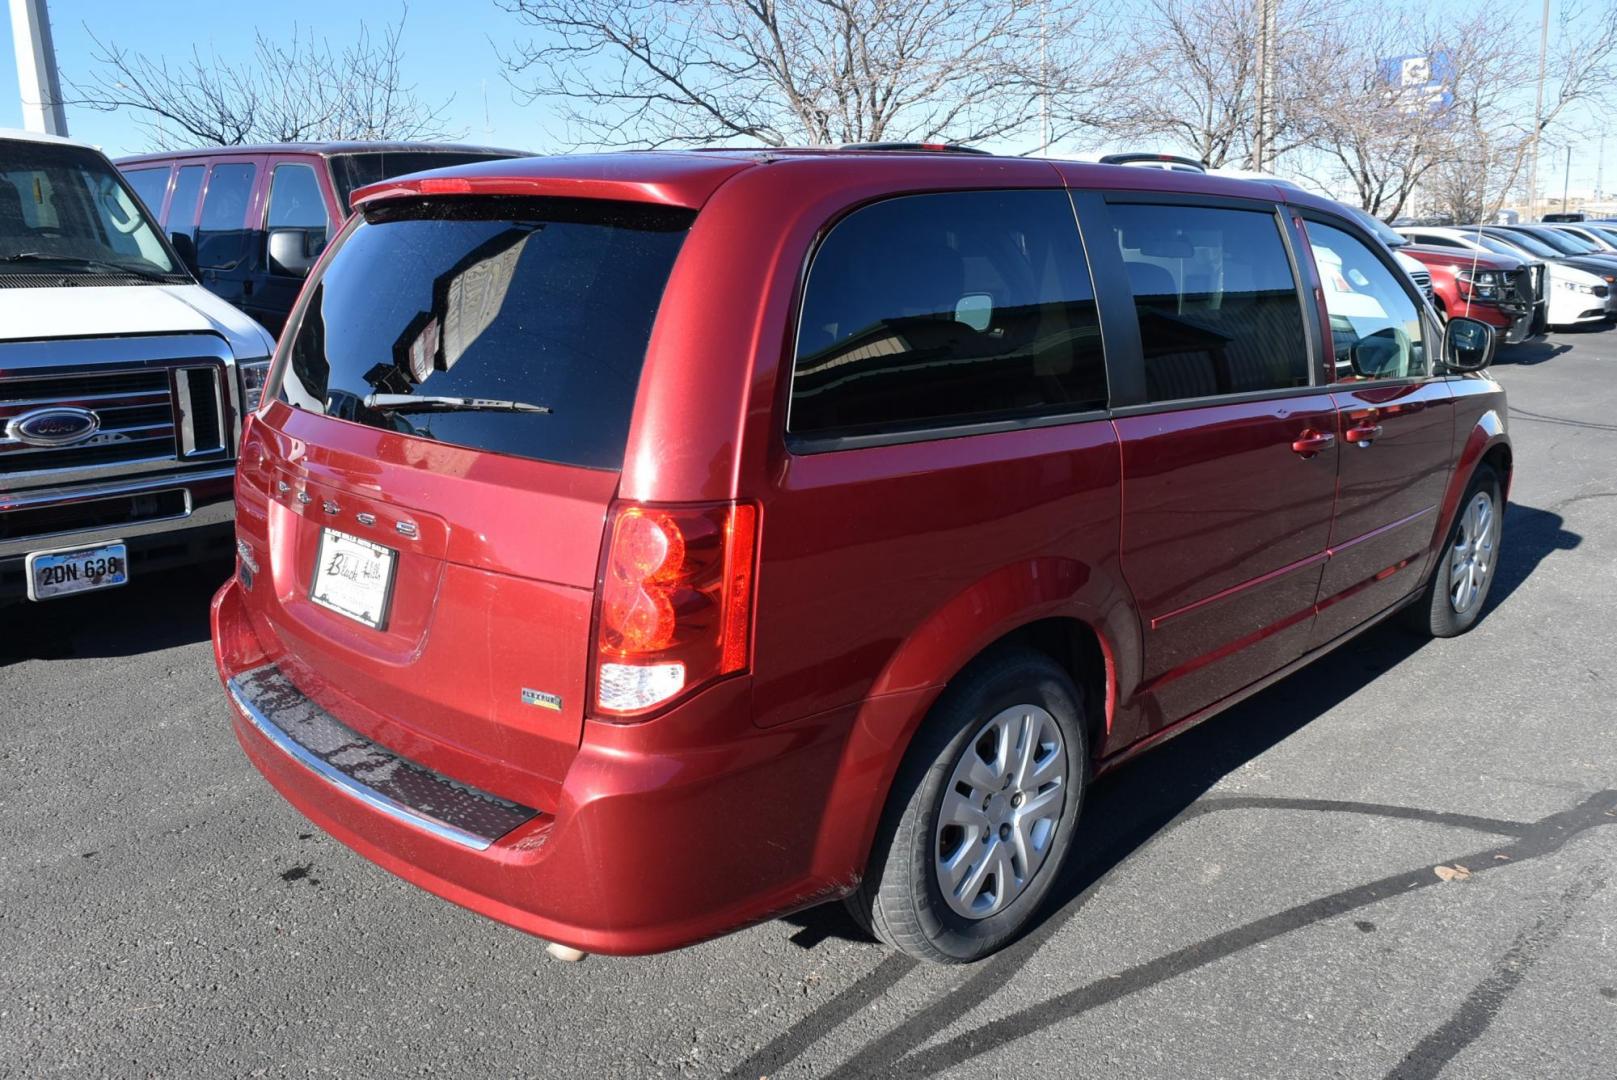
(541, 699)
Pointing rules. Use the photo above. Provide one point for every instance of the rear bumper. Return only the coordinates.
(648, 848)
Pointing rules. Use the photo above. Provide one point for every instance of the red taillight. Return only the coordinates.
(675, 602)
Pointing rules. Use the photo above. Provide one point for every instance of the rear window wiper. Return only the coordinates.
(146, 274)
(406, 403)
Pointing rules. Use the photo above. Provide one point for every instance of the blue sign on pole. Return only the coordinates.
(1421, 81)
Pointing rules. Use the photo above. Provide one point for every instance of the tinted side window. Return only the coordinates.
(934, 310)
(182, 210)
(1216, 300)
(296, 203)
(295, 200)
(222, 231)
(151, 185)
(1375, 325)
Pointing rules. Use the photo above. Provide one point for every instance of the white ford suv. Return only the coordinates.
(122, 382)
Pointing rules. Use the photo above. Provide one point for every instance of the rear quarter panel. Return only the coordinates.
(883, 570)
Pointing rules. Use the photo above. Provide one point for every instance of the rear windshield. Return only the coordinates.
(522, 304)
(354, 171)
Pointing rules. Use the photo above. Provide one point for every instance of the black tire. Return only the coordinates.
(1434, 614)
(900, 899)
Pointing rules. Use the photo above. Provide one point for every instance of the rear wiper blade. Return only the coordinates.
(148, 274)
(406, 403)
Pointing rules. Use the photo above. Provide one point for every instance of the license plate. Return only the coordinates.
(353, 577)
(76, 570)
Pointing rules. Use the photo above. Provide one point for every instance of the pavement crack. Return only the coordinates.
(886, 1057)
(1436, 1050)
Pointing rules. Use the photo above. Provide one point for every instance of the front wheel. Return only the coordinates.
(981, 814)
(1464, 573)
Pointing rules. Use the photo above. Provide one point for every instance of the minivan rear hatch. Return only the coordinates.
(429, 488)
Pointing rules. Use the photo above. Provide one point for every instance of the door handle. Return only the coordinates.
(1311, 442)
(1363, 434)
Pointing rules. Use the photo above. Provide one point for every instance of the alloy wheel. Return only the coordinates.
(1471, 559)
(1000, 811)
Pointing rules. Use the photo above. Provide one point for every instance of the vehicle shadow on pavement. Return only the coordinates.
(1530, 535)
(1534, 351)
(1127, 810)
(160, 611)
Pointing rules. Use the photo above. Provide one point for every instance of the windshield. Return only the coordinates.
(1499, 247)
(65, 211)
(1605, 232)
(353, 171)
(1565, 243)
(1529, 244)
(1589, 236)
(526, 320)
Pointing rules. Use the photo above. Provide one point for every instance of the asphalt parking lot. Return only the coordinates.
(1398, 862)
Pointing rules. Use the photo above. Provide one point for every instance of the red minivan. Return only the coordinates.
(636, 547)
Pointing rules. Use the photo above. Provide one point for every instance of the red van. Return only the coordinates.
(249, 221)
(635, 547)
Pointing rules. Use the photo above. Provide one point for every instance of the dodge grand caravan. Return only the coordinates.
(636, 547)
(121, 381)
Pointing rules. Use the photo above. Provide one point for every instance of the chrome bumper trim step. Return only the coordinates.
(368, 771)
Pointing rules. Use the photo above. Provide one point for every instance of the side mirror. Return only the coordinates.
(186, 249)
(289, 252)
(1468, 345)
(1382, 355)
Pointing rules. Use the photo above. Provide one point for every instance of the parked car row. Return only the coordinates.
(1573, 268)
(631, 548)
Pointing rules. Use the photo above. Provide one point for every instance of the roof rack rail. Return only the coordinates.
(1156, 160)
(936, 147)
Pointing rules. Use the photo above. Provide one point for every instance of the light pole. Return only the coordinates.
(1044, 81)
(1264, 135)
(1538, 112)
(1566, 177)
(36, 68)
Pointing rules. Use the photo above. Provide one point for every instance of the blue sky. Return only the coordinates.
(448, 52)
(446, 46)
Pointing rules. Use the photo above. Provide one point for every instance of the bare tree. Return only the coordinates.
(1398, 97)
(1466, 147)
(684, 72)
(288, 90)
(1581, 70)
(1193, 76)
